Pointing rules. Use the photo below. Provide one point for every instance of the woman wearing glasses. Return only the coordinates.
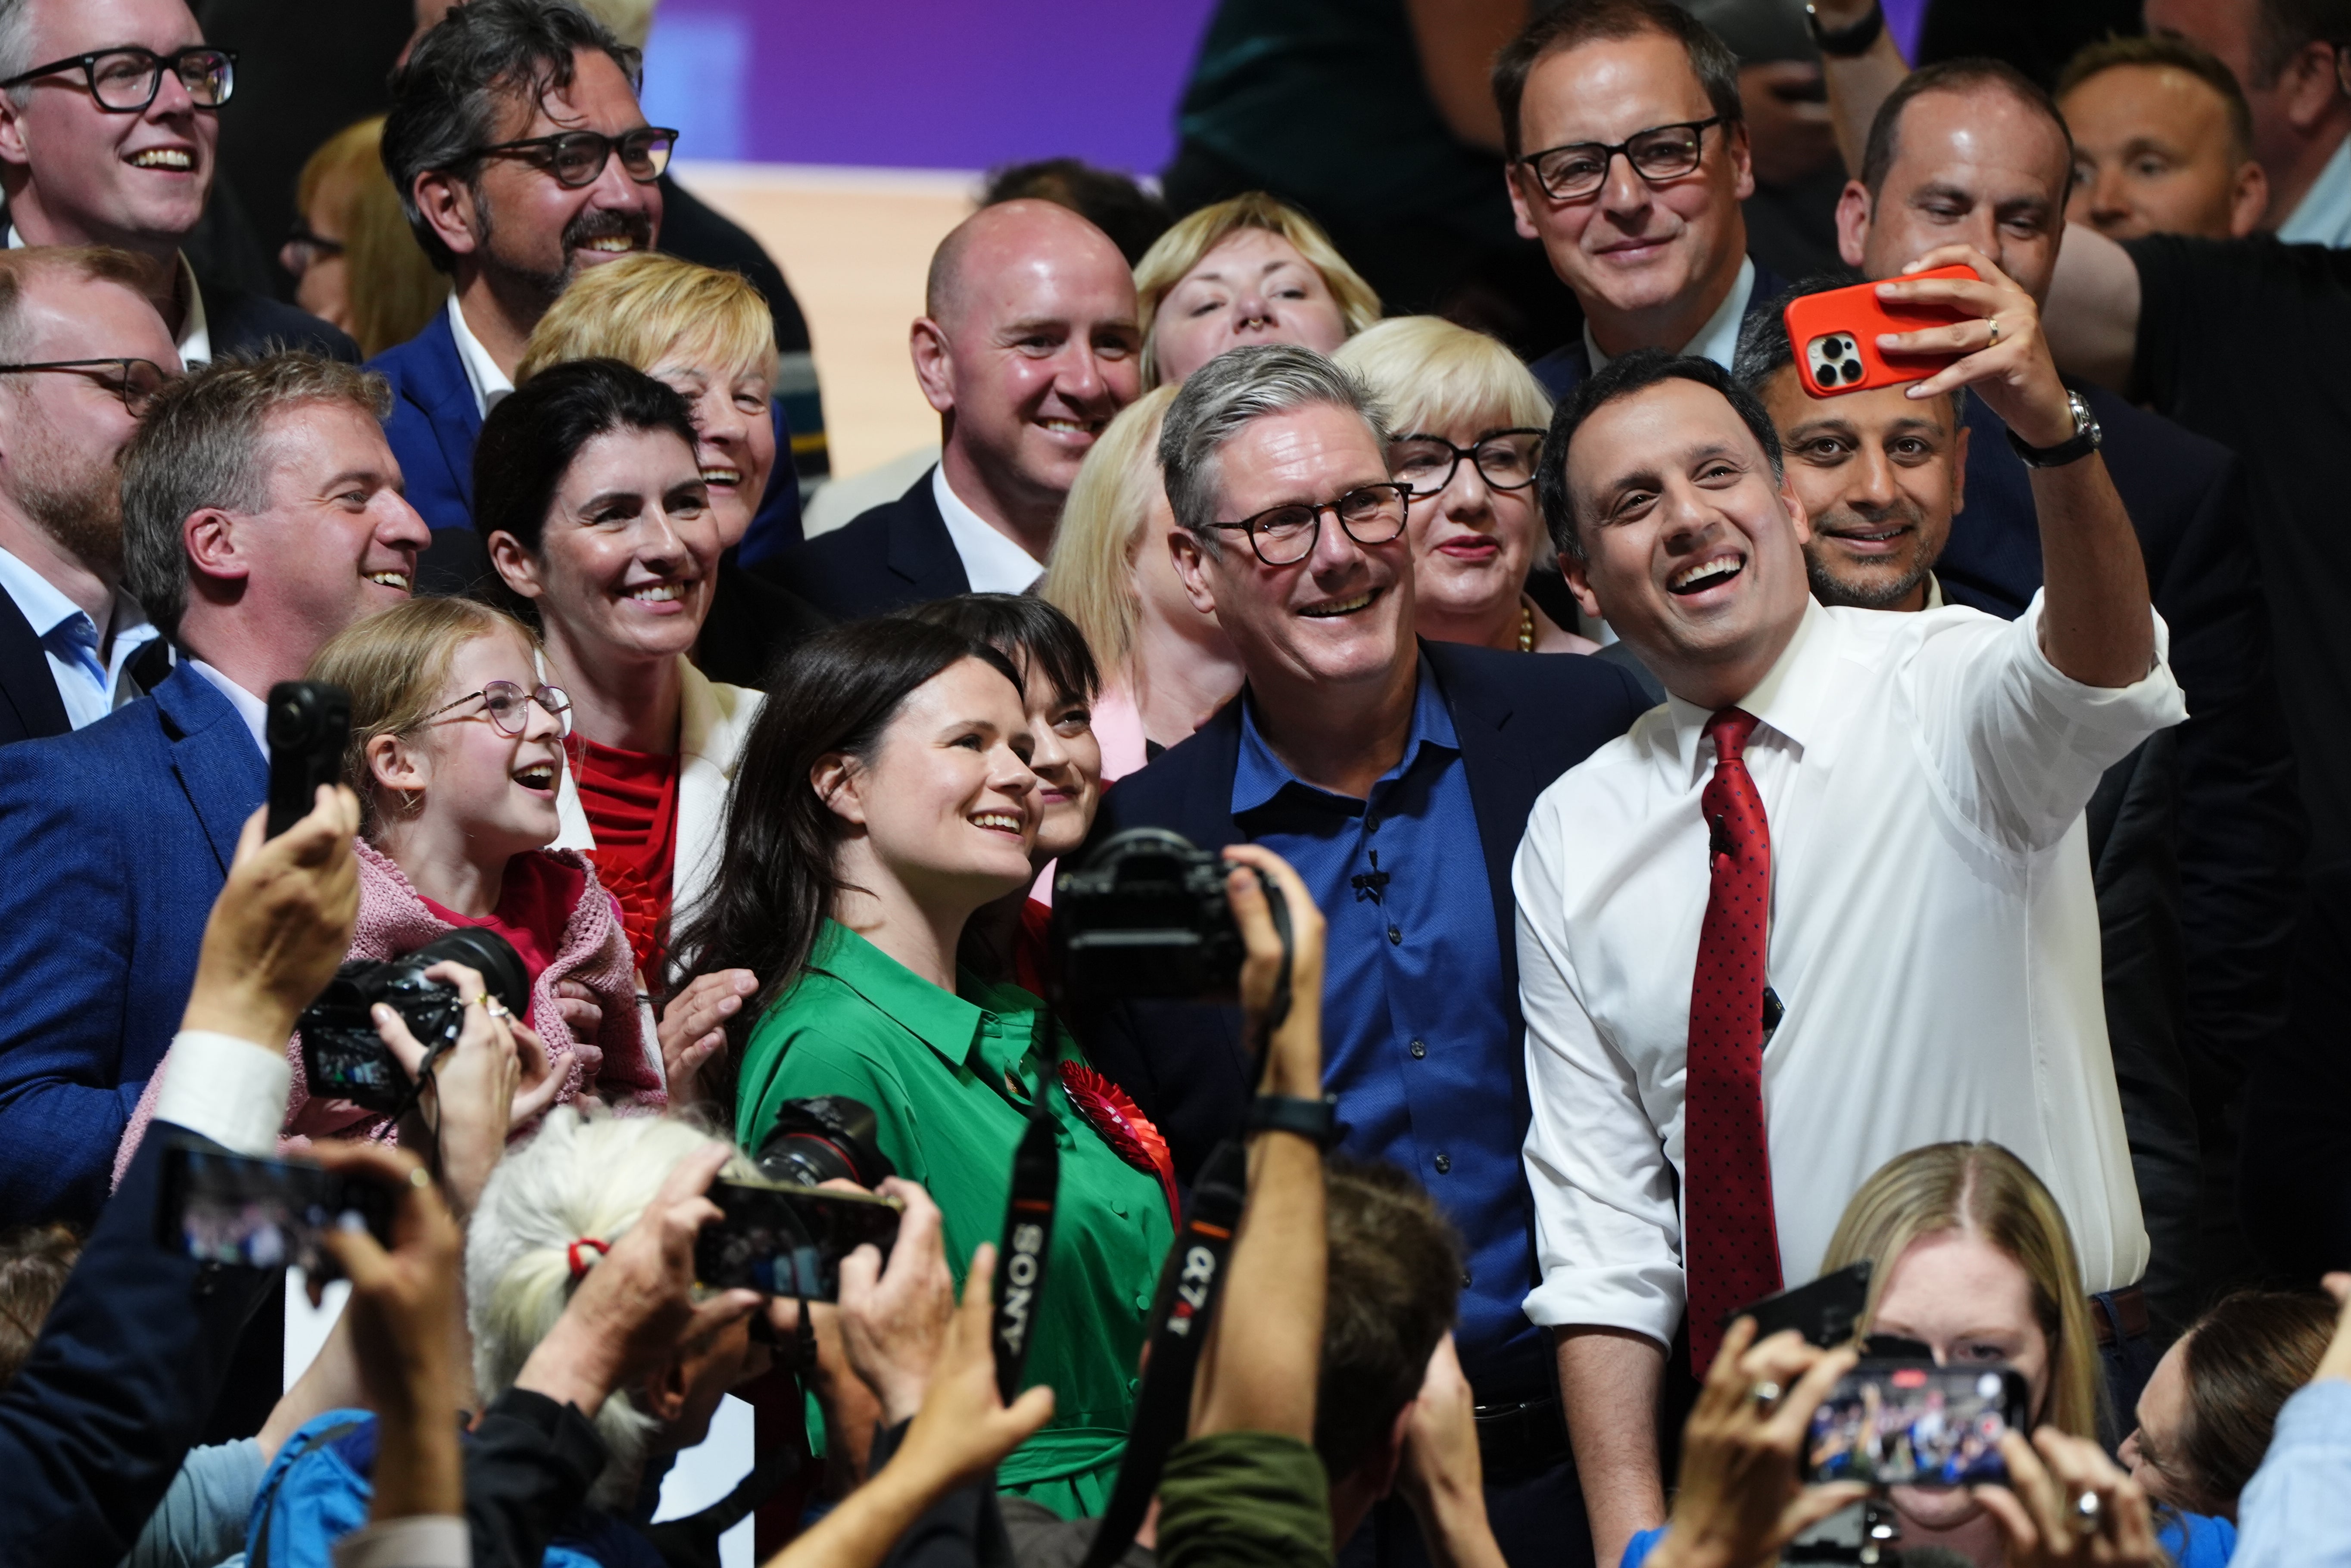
(1469, 418)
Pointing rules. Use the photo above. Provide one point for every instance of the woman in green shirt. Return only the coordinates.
(883, 797)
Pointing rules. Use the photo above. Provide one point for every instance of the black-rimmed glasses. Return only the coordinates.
(304, 250)
(126, 80)
(577, 157)
(1505, 459)
(135, 382)
(1661, 153)
(507, 706)
(1285, 535)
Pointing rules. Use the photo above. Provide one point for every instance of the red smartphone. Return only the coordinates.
(1835, 336)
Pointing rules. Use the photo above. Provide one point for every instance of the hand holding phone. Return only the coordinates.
(1834, 336)
(309, 724)
(240, 1211)
(1911, 1423)
(783, 1240)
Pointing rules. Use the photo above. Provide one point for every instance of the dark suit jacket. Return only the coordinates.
(116, 1387)
(1522, 719)
(1565, 368)
(752, 623)
(29, 705)
(243, 323)
(117, 838)
(896, 555)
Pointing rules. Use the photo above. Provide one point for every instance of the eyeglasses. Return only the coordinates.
(577, 157)
(135, 382)
(1285, 535)
(1426, 464)
(126, 80)
(506, 705)
(304, 250)
(1580, 167)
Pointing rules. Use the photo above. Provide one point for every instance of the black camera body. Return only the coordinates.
(343, 1056)
(1146, 915)
(308, 725)
(827, 1137)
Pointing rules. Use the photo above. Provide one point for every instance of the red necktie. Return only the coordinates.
(1731, 1243)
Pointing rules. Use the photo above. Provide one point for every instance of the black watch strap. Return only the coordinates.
(2084, 440)
(1315, 1120)
(1847, 43)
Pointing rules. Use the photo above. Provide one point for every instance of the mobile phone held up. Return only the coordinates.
(1834, 336)
(1825, 1312)
(789, 1240)
(1913, 1423)
(309, 723)
(232, 1209)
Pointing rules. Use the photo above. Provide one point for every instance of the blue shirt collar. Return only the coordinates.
(45, 604)
(1260, 776)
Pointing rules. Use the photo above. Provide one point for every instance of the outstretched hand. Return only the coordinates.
(963, 1426)
(1293, 1060)
(693, 1027)
(2010, 367)
(281, 924)
(473, 1096)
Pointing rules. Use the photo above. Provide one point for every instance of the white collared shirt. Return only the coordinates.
(992, 562)
(2323, 216)
(1934, 942)
(490, 384)
(195, 344)
(254, 711)
(1717, 340)
(91, 684)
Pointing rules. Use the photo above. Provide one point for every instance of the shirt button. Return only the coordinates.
(1371, 823)
(1395, 935)
(1418, 1050)
(1464, 1279)
(1133, 1384)
(1144, 1303)
(1443, 1164)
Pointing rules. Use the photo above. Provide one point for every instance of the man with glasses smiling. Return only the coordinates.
(1396, 776)
(109, 126)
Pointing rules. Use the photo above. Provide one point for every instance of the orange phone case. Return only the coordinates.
(1835, 336)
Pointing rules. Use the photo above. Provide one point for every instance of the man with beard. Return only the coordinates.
(81, 350)
(521, 155)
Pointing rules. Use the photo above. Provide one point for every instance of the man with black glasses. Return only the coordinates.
(1628, 161)
(521, 157)
(108, 131)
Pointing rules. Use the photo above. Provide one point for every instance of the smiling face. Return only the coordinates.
(1880, 477)
(1977, 167)
(1694, 550)
(1342, 617)
(497, 790)
(624, 561)
(738, 444)
(2153, 154)
(1253, 287)
(1067, 760)
(1472, 544)
(78, 174)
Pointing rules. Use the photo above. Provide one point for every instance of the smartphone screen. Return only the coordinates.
(789, 1240)
(1916, 1424)
(220, 1207)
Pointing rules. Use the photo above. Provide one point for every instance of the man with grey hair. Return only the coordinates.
(1391, 773)
(262, 514)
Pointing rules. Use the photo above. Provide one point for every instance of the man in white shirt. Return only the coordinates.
(1831, 902)
(81, 350)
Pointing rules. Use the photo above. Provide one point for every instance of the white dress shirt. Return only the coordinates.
(993, 562)
(1717, 340)
(490, 384)
(90, 685)
(254, 711)
(1934, 941)
(195, 343)
(2323, 216)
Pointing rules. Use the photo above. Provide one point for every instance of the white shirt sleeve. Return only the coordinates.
(1608, 1223)
(226, 1089)
(421, 1541)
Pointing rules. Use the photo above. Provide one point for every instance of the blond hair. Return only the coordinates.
(395, 665)
(394, 288)
(1982, 1190)
(1089, 576)
(1183, 248)
(647, 308)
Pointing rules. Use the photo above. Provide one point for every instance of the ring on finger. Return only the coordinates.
(495, 1008)
(2087, 1508)
(1993, 322)
(1765, 1395)
(485, 1002)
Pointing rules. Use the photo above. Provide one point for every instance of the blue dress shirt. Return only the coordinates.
(90, 687)
(1418, 1039)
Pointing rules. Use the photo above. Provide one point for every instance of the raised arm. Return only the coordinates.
(1859, 83)
(2093, 304)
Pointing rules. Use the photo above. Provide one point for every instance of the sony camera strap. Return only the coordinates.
(1029, 1219)
(1188, 1286)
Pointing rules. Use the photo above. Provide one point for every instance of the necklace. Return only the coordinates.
(1526, 626)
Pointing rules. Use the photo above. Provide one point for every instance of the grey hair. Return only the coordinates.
(1223, 396)
(201, 445)
(17, 46)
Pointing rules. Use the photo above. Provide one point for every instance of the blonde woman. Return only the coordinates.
(1470, 420)
(355, 262)
(1165, 664)
(1249, 270)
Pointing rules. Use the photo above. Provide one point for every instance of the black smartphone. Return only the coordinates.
(1913, 1423)
(1825, 1312)
(221, 1208)
(789, 1240)
(309, 724)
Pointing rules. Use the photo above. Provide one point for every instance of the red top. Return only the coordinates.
(631, 799)
(534, 907)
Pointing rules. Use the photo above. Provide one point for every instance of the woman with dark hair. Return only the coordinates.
(589, 492)
(885, 797)
(2208, 1410)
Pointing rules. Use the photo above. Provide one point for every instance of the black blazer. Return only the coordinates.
(30, 708)
(1565, 368)
(751, 623)
(243, 323)
(1522, 719)
(893, 555)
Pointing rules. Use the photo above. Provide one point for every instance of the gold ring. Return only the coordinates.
(482, 1001)
(1993, 322)
(420, 1177)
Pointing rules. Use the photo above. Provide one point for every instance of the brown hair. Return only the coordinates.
(1580, 22)
(2156, 51)
(1394, 1272)
(1980, 1189)
(83, 263)
(642, 308)
(34, 1263)
(2242, 1361)
(1183, 248)
(394, 288)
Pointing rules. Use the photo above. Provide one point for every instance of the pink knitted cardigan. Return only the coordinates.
(393, 919)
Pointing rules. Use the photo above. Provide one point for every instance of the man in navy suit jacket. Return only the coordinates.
(1396, 776)
(117, 838)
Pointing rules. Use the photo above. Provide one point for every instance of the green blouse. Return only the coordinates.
(949, 1078)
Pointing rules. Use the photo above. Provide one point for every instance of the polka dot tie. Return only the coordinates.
(1731, 1243)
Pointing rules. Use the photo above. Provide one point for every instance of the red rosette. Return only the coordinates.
(642, 913)
(1120, 1124)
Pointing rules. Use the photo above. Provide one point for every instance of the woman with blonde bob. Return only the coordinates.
(1165, 664)
(1247, 270)
(1471, 418)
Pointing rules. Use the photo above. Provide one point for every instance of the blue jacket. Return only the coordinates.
(116, 840)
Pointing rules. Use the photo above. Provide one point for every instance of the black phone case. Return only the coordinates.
(1825, 1312)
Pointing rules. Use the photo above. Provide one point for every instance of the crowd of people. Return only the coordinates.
(1686, 837)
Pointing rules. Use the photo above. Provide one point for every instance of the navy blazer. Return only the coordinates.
(1564, 368)
(242, 323)
(30, 707)
(1522, 720)
(117, 838)
(895, 554)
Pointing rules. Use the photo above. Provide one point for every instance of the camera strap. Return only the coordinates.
(1188, 1287)
(1027, 1220)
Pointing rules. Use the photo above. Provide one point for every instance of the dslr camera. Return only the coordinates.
(1146, 915)
(341, 1053)
(825, 1138)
